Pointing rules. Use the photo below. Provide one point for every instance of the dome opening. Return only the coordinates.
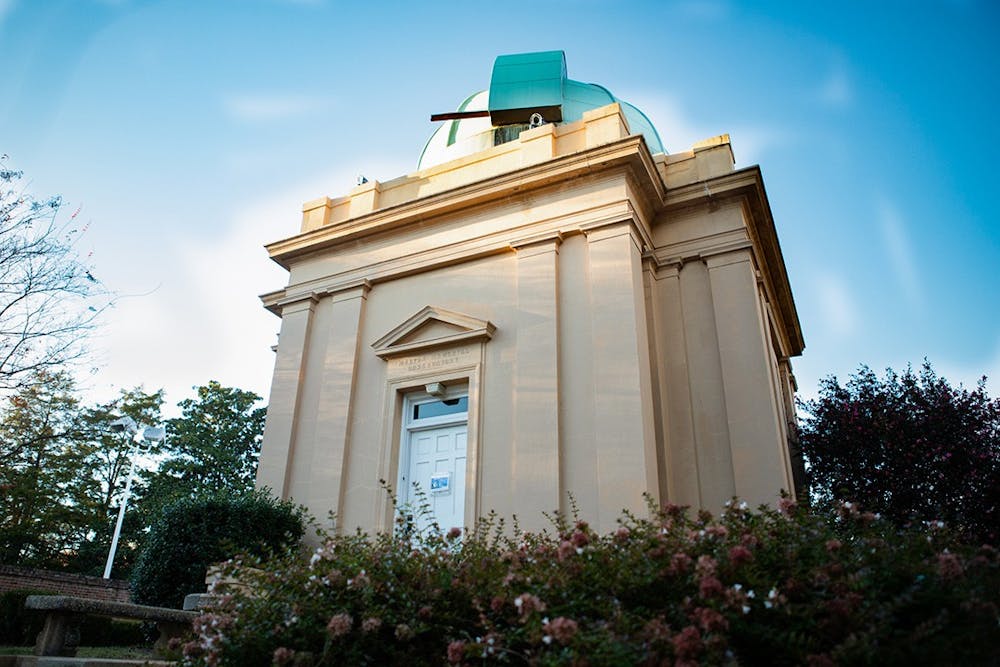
(521, 85)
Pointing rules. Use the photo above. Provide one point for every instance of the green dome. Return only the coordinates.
(523, 84)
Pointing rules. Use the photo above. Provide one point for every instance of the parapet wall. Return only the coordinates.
(62, 583)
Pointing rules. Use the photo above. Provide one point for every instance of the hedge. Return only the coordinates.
(793, 586)
(190, 535)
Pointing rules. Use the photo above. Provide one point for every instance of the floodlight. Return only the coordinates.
(124, 425)
(154, 434)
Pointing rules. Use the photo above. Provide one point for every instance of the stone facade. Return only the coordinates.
(603, 322)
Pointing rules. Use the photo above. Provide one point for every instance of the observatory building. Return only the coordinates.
(550, 307)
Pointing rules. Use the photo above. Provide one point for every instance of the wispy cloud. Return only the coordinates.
(679, 131)
(837, 305)
(206, 322)
(751, 142)
(257, 107)
(900, 251)
(6, 7)
(836, 90)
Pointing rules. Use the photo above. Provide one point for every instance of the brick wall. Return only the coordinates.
(79, 585)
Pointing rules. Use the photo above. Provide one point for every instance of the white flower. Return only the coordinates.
(518, 602)
(737, 587)
(751, 595)
(772, 594)
(743, 505)
(768, 604)
(746, 609)
(547, 639)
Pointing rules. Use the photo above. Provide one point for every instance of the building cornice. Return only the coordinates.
(630, 153)
(746, 186)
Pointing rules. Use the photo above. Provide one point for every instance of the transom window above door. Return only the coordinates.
(448, 406)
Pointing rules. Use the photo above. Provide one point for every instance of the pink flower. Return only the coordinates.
(359, 581)
(679, 563)
(579, 538)
(561, 629)
(786, 506)
(739, 555)
(949, 566)
(710, 620)
(453, 533)
(192, 650)
(283, 655)
(339, 625)
(527, 603)
(656, 629)
(717, 531)
(622, 534)
(371, 624)
(706, 565)
(709, 587)
(566, 550)
(833, 545)
(687, 643)
(404, 632)
(456, 651)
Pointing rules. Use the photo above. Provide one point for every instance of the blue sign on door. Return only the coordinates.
(441, 482)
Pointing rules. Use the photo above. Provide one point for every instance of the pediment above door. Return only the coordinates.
(432, 327)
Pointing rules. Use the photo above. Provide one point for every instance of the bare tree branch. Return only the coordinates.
(49, 297)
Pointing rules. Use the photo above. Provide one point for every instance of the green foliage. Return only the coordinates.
(211, 448)
(19, 626)
(791, 587)
(63, 473)
(41, 515)
(192, 534)
(909, 446)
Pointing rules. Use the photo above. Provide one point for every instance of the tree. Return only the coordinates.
(41, 515)
(192, 534)
(212, 448)
(909, 446)
(48, 297)
(62, 475)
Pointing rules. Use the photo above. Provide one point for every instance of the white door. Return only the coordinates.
(433, 461)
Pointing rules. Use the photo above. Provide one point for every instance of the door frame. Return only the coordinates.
(409, 375)
(410, 426)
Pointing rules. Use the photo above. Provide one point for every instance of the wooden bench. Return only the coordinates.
(61, 634)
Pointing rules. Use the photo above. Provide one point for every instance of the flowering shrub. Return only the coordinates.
(792, 586)
(910, 446)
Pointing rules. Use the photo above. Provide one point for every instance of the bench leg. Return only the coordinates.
(168, 631)
(60, 636)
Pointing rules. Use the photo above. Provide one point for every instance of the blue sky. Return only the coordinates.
(191, 132)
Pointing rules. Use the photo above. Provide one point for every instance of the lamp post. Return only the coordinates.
(150, 434)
